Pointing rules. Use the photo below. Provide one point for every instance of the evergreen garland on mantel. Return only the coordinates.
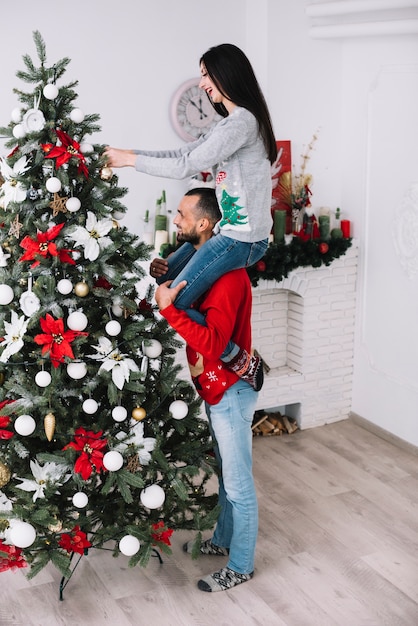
(282, 258)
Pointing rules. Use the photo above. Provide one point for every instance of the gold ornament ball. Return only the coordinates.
(138, 413)
(106, 173)
(81, 289)
(5, 474)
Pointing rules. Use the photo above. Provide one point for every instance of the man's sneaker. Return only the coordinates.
(225, 579)
(206, 547)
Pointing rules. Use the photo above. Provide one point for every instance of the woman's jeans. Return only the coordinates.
(230, 423)
(201, 269)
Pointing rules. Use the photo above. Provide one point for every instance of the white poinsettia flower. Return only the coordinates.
(13, 340)
(12, 189)
(143, 445)
(93, 236)
(114, 361)
(50, 473)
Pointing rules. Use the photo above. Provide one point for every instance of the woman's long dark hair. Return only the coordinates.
(232, 73)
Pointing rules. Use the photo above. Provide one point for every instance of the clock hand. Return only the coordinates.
(199, 108)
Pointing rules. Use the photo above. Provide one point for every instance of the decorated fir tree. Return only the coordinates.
(100, 438)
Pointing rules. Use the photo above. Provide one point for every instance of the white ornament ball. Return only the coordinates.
(77, 116)
(50, 91)
(73, 205)
(16, 115)
(6, 294)
(113, 328)
(90, 406)
(129, 545)
(113, 460)
(76, 370)
(77, 321)
(118, 215)
(119, 413)
(152, 497)
(25, 425)
(43, 379)
(178, 409)
(80, 500)
(153, 350)
(117, 310)
(86, 148)
(65, 286)
(53, 184)
(18, 131)
(22, 534)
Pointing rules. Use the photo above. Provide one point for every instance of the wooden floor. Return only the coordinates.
(338, 545)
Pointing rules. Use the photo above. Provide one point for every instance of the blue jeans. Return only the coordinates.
(230, 423)
(201, 268)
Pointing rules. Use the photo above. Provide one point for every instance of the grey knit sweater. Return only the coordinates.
(234, 151)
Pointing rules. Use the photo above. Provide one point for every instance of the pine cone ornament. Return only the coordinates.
(133, 464)
(49, 425)
(5, 474)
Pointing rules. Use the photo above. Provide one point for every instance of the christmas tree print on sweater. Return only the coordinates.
(231, 218)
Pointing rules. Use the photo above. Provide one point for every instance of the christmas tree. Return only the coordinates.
(100, 439)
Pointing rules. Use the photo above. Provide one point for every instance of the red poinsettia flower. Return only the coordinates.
(56, 340)
(76, 541)
(5, 421)
(90, 445)
(103, 283)
(10, 557)
(161, 535)
(68, 149)
(44, 246)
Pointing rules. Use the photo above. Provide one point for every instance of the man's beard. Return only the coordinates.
(192, 238)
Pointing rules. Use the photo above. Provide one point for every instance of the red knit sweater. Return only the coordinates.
(227, 309)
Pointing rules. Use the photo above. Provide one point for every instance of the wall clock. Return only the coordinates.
(191, 112)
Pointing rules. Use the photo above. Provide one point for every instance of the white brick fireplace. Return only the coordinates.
(303, 327)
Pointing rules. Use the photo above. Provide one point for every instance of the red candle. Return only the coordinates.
(345, 227)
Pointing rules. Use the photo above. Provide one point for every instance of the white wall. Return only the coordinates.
(381, 138)
(360, 93)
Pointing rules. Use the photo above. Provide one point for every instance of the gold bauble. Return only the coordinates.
(49, 425)
(106, 173)
(5, 474)
(138, 413)
(81, 289)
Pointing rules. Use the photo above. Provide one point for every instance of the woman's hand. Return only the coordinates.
(116, 157)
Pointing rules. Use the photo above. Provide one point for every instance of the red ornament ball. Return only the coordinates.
(260, 266)
(323, 248)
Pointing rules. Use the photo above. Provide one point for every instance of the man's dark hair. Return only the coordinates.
(208, 204)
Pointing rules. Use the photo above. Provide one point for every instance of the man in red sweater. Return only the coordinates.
(229, 400)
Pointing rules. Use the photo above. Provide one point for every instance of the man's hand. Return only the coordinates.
(158, 267)
(119, 158)
(164, 296)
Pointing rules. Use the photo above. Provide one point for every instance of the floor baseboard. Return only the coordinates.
(383, 434)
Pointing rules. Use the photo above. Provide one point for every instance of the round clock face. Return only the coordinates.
(192, 114)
